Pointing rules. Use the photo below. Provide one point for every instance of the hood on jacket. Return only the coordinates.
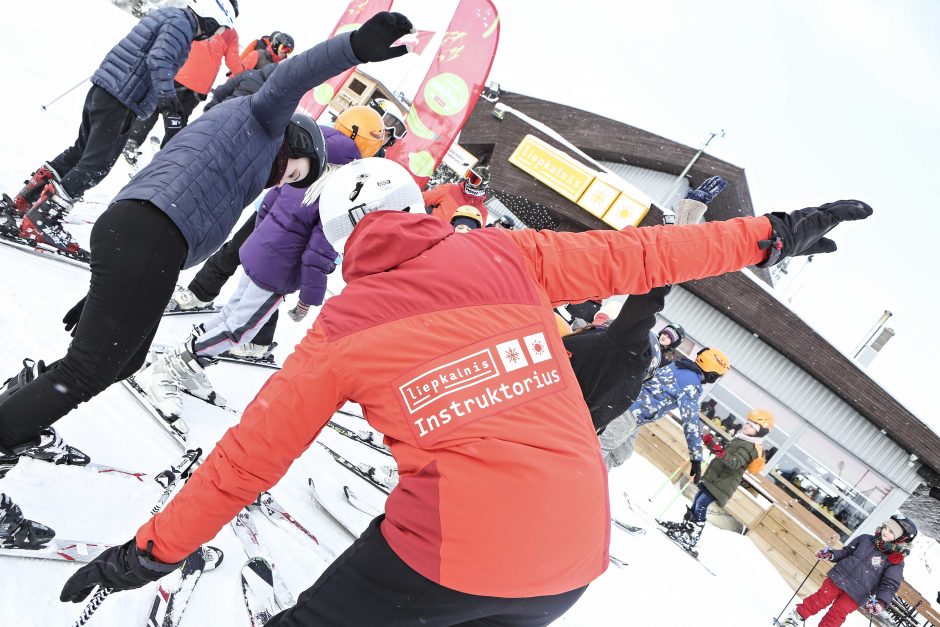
(385, 239)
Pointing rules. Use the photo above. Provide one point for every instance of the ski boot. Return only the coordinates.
(793, 619)
(17, 532)
(671, 526)
(248, 350)
(185, 300)
(43, 223)
(159, 384)
(31, 370)
(32, 188)
(49, 447)
(132, 152)
(190, 372)
(687, 536)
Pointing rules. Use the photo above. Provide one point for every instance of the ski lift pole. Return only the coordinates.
(65, 93)
(93, 604)
(680, 178)
(669, 480)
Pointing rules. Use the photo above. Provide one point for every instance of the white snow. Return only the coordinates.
(660, 586)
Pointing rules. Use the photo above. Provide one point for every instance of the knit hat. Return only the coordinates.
(894, 527)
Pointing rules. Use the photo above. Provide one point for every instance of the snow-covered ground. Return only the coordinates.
(660, 586)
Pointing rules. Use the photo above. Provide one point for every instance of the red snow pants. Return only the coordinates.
(842, 604)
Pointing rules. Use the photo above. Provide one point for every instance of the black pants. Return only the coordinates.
(220, 267)
(368, 585)
(136, 256)
(141, 128)
(101, 137)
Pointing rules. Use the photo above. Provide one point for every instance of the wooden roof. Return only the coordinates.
(735, 294)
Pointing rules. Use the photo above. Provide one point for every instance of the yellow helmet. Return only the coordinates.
(468, 211)
(762, 417)
(364, 126)
(713, 360)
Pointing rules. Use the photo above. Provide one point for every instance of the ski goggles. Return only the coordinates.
(394, 126)
(283, 50)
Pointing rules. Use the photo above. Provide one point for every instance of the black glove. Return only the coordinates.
(73, 316)
(372, 41)
(170, 106)
(802, 232)
(122, 567)
(696, 472)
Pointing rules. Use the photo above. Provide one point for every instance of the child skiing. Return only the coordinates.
(171, 216)
(286, 251)
(135, 79)
(868, 573)
(474, 457)
(723, 476)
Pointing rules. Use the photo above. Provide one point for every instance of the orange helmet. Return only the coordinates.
(468, 211)
(762, 417)
(364, 126)
(714, 361)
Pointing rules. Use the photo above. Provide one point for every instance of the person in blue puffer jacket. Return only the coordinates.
(287, 251)
(676, 386)
(172, 216)
(134, 80)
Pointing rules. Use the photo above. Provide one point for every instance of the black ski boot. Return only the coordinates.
(17, 532)
(687, 537)
(671, 526)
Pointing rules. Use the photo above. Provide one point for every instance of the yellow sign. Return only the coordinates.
(553, 167)
(628, 210)
(598, 197)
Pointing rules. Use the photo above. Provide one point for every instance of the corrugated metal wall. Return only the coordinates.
(652, 182)
(793, 387)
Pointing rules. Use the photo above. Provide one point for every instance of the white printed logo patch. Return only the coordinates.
(512, 356)
(538, 347)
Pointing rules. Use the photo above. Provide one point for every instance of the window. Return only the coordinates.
(356, 86)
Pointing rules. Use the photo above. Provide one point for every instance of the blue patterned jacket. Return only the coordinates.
(671, 387)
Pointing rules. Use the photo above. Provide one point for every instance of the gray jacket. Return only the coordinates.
(140, 68)
(862, 570)
(220, 162)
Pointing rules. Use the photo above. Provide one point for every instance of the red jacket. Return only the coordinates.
(444, 200)
(205, 58)
(502, 489)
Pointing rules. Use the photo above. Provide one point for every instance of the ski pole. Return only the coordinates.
(64, 93)
(668, 480)
(93, 604)
(795, 592)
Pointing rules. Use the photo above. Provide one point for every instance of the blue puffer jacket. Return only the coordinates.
(288, 249)
(140, 68)
(218, 164)
(678, 385)
(862, 570)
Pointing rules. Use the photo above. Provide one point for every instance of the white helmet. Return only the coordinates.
(362, 187)
(214, 14)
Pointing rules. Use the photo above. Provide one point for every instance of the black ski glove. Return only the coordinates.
(73, 316)
(696, 472)
(707, 191)
(373, 40)
(122, 567)
(170, 106)
(803, 232)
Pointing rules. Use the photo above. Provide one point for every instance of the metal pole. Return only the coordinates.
(881, 322)
(65, 93)
(668, 480)
(681, 176)
(795, 592)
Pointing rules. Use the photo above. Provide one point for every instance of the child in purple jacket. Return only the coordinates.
(287, 251)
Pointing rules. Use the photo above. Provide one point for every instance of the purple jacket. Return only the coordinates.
(287, 249)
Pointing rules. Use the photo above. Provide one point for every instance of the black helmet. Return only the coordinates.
(655, 356)
(282, 39)
(305, 139)
(910, 529)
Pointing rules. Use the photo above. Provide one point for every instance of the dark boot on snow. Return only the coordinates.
(17, 532)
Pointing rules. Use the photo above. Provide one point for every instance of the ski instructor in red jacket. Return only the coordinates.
(501, 515)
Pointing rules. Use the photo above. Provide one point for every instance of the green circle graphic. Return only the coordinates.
(421, 163)
(323, 93)
(447, 94)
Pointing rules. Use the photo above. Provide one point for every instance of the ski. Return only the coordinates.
(258, 591)
(208, 309)
(265, 362)
(617, 561)
(352, 520)
(278, 514)
(176, 588)
(368, 474)
(358, 503)
(631, 529)
(58, 549)
(42, 250)
(173, 426)
(363, 437)
(246, 531)
(690, 552)
(181, 470)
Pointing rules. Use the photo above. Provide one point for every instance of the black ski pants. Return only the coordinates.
(101, 138)
(220, 267)
(369, 585)
(136, 256)
(189, 99)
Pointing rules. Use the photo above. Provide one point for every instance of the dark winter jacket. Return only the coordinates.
(677, 386)
(610, 362)
(723, 475)
(243, 84)
(862, 569)
(288, 248)
(219, 163)
(140, 68)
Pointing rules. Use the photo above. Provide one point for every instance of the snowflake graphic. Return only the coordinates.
(512, 355)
